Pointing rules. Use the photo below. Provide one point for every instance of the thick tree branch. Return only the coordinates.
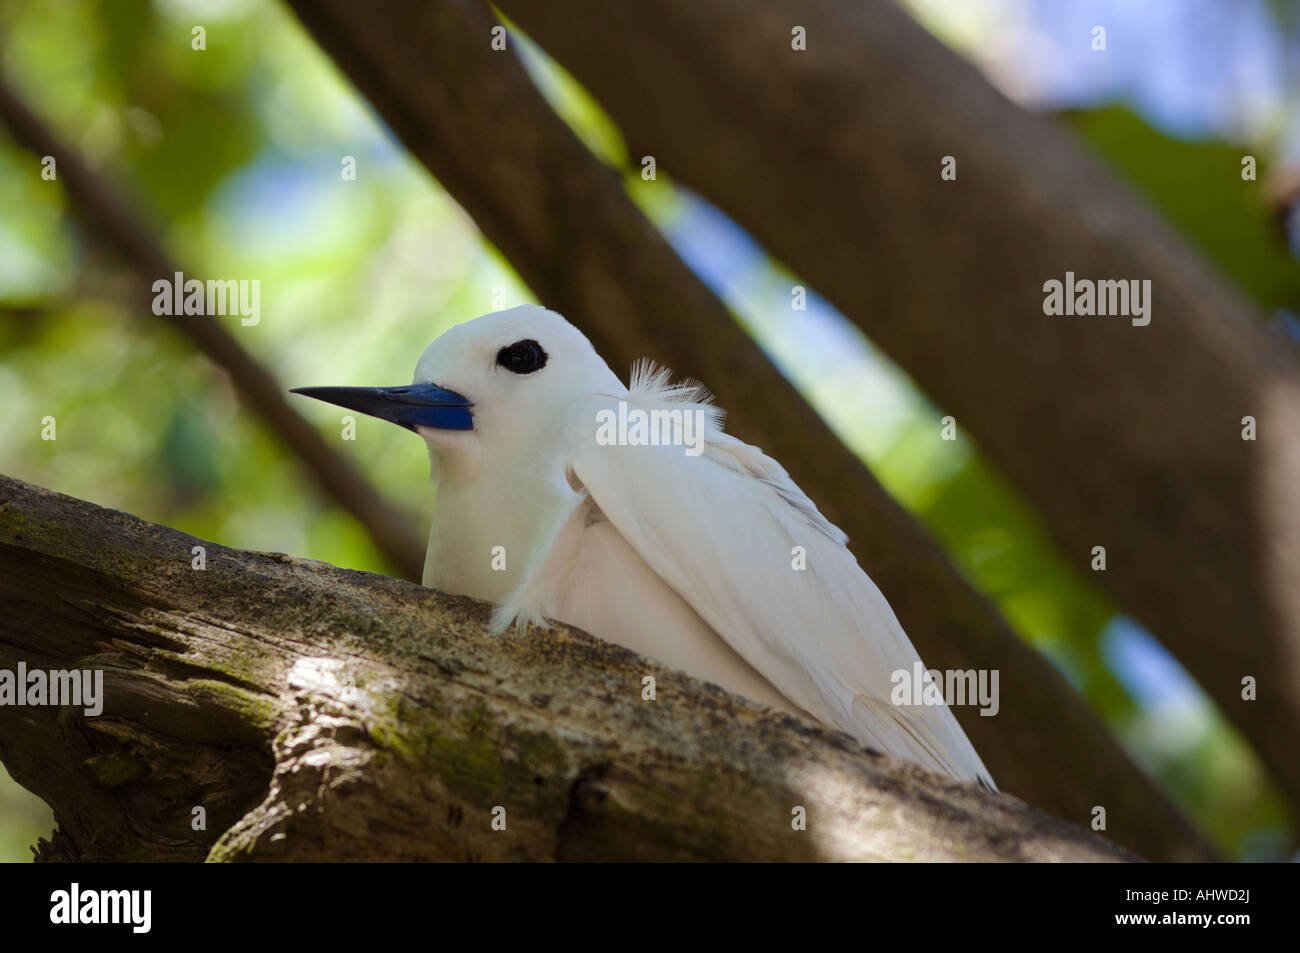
(563, 220)
(317, 713)
(110, 218)
(1123, 437)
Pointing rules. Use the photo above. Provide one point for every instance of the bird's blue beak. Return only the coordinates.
(411, 405)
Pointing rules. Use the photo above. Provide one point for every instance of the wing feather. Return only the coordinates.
(722, 529)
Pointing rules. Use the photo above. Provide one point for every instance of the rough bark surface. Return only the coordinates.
(474, 118)
(321, 714)
(1123, 437)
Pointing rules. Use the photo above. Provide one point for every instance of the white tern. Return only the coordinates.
(630, 513)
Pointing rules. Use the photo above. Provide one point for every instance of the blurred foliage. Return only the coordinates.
(1198, 188)
(23, 820)
(235, 152)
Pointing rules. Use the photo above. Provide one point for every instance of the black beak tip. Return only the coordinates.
(409, 405)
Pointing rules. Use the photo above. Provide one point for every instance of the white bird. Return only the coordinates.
(687, 551)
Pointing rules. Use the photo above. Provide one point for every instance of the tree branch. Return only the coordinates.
(322, 714)
(1123, 437)
(473, 117)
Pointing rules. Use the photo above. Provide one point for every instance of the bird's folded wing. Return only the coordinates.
(730, 532)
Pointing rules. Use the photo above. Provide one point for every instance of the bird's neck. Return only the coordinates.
(487, 531)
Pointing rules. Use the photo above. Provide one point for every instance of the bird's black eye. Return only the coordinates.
(522, 357)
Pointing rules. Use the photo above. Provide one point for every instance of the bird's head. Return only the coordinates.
(488, 390)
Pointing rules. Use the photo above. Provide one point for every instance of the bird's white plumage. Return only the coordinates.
(688, 559)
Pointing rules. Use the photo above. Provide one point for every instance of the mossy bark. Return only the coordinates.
(315, 713)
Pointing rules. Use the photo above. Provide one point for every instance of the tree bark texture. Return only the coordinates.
(316, 713)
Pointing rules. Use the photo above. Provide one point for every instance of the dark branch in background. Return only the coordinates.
(1120, 436)
(100, 206)
(319, 714)
(473, 117)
